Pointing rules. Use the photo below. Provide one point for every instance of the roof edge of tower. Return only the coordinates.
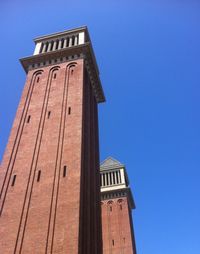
(119, 193)
(84, 51)
(61, 33)
(111, 163)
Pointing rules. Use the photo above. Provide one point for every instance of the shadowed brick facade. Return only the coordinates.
(49, 177)
(116, 205)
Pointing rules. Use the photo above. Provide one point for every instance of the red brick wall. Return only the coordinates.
(118, 237)
(50, 215)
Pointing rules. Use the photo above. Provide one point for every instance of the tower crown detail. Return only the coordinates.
(113, 175)
(64, 47)
(116, 205)
(59, 41)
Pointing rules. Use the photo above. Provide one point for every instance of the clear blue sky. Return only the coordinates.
(148, 52)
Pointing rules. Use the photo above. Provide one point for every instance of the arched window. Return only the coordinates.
(110, 206)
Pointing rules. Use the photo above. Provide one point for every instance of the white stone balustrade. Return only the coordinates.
(59, 43)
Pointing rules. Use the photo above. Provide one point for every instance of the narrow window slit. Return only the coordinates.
(67, 42)
(41, 48)
(110, 208)
(38, 176)
(120, 207)
(103, 179)
(113, 177)
(117, 177)
(57, 44)
(110, 178)
(64, 171)
(69, 111)
(47, 45)
(73, 40)
(13, 180)
(28, 119)
(62, 43)
(72, 71)
(49, 114)
(38, 79)
(78, 39)
(51, 46)
(113, 242)
(54, 76)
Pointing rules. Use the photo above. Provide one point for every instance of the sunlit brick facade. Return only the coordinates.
(116, 205)
(49, 204)
(50, 200)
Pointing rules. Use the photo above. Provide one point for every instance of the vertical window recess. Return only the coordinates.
(69, 111)
(64, 171)
(54, 76)
(38, 176)
(13, 180)
(113, 242)
(111, 208)
(38, 79)
(28, 119)
(120, 207)
(51, 46)
(49, 114)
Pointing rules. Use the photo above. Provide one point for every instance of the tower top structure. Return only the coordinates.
(116, 205)
(114, 180)
(66, 46)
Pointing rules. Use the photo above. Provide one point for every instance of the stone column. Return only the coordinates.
(76, 40)
(59, 44)
(70, 41)
(106, 177)
(112, 178)
(122, 175)
(109, 183)
(37, 48)
(81, 38)
(119, 177)
(44, 47)
(54, 45)
(102, 184)
(65, 43)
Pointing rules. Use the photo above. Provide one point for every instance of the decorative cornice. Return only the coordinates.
(67, 54)
(126, 192)
(61, 34)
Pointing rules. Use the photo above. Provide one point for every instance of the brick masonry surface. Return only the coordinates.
(49, 178)
(117, 230)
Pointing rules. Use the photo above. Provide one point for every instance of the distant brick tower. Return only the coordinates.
(116, 205)
(49, 177)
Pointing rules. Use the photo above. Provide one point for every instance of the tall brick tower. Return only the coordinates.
(116, 205)
(49, 177)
